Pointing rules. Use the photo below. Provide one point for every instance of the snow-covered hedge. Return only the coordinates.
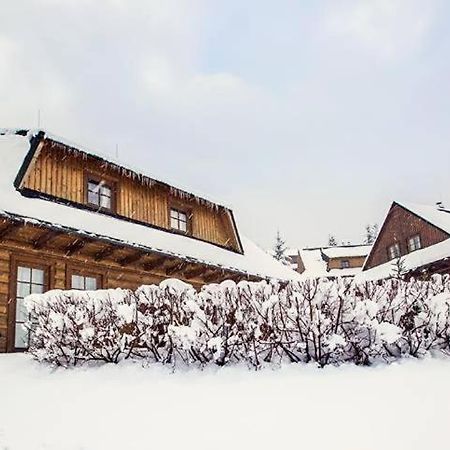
(329, 322)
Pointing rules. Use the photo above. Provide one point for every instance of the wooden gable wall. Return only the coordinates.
(63, 175)
(399, 226)
(354, 262)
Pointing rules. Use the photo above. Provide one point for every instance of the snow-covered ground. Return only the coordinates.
(404, 406)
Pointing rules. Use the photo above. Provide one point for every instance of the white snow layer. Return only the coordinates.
(12, 152)
(410, 261)
(314, 260)
(347, 251)
(436, 216)
(403, 406)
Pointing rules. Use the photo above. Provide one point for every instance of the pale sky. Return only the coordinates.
(307, 116)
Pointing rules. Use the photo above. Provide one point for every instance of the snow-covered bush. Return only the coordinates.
(324, 321)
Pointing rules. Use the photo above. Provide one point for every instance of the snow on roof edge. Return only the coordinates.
(176, 186)
(15, 147)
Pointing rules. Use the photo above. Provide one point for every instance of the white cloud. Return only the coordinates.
(389, 28)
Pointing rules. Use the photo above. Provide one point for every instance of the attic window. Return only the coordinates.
(414, 243)
(345, 264)
(178, 220)
(99, 193)
(394, 251)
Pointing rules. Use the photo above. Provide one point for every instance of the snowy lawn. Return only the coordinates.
(403, 406)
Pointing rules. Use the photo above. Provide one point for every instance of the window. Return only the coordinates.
(414, 243)
(345, 263)
(84, 282)
(99, 194)
(30, 280)
(394, 251)
(178, 220)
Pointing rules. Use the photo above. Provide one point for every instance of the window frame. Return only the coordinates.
(396, 245)
(32, 263)
(345, 264)
(110, 182)
(413, 239)
(180, 209)
(80, 271)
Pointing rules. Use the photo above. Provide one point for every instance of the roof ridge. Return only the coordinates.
(31, 132)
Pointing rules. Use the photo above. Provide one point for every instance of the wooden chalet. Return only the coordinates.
(329, 262)
(414, 239)
(72, 219)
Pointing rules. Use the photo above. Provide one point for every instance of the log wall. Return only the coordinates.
(112, 277)
(63, 174)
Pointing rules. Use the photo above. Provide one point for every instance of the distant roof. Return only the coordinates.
(315, 259)
(13, 150)
(347, 251)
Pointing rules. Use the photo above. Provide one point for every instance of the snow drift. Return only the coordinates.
(327, 322)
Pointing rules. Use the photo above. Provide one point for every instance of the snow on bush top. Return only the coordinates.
(328, 322)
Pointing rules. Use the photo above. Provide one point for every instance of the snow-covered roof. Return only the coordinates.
(411, 261)
(14, 148)
(439, 217)
(316, 265)
(176, 187)
(347, 251)
(435, 215)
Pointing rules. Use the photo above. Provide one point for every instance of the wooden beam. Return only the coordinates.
(178, 267)
(134, 257)
(155, 264)
(105, 252)
(215, 275)
(9, 229)
(195, 273)
(75, 246)
(236, 277)
(45, 238)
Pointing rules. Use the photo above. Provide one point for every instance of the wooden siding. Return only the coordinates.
(63, 174)
(399, 226)
(66, 252)
(112, 277)
(4, 296)
(354, 262)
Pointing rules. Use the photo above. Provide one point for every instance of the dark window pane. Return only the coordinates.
(93, 187)
(105, 202)
(37, 276)
(22, 335)
(91, 284)
(77, 282)
(23, 289)
(93, 198)
(23, 274)
(105, 190)
(37, 288)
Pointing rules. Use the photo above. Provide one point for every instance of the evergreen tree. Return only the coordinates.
(371, 233)
(279, 248)
(399, 269)
(332, 241)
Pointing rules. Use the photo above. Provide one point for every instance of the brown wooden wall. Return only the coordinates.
(4, 296)
(399, 226)
(112, 276)
(62, 174)
(354, 261)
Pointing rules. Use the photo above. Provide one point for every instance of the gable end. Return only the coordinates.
(400, 225)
